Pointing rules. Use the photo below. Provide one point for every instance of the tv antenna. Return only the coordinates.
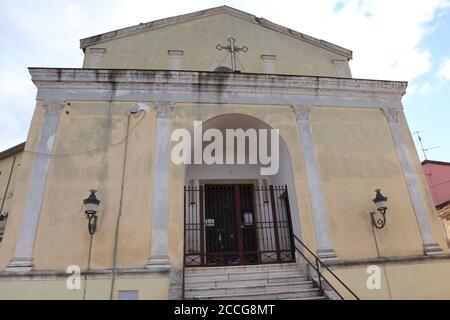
(424, 150)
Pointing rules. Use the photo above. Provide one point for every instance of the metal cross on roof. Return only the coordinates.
(233, 49)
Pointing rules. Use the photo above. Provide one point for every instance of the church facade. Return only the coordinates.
(135, 123)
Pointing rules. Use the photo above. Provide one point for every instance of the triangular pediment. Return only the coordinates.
(162, 23)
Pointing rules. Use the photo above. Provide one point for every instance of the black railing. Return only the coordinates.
(237, 224)
(317, 265)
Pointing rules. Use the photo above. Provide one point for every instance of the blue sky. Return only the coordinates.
(406, 40)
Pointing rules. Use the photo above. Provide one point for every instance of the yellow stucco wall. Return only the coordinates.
(198, 40)
(96, 289)
(8, 172)
(89, 150)
(357, 155)
(21, 182)
(426, 280)
(353, 146)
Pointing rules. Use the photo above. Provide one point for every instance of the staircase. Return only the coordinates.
(258, 282)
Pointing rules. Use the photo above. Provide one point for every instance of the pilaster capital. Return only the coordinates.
(163, 109)
(301, 112)
(391, 114)
(53, 107)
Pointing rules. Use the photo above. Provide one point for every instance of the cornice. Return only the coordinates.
(161, 23)
(97, 84)
(67, 75)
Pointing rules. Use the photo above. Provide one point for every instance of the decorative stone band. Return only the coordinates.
(430, 245)
(163, 110)
(301, 113)
(325, 249)
(391, 115)
(159, 256)
(23, 255)
(213, 87)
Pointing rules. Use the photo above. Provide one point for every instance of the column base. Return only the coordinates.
(158, 262)
(432, 249)
(20, 264)
(327, 255)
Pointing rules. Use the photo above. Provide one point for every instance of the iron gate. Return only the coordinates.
(237, 224)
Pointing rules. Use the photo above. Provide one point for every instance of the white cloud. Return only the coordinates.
(383, 34)
(444, 71)
(425, 89)
(410, 90)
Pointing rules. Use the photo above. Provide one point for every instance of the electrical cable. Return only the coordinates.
(85, 151)
(116, 236)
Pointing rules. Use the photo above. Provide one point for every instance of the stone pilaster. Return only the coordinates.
(23, 254)
(325, 249)
(430, 245)
(159, 256)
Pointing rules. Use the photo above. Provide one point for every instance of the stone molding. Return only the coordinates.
(301, 112)
(91, 274)
(124, 32)
(338, 264)
(163, 109)
(214, 87)
(22, 259)
(391, 114)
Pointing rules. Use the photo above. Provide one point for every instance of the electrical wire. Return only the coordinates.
(439, 184)
(220, 63)
(116, 236)
(87, 151)
(237, 57)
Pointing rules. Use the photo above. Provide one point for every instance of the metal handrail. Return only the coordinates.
(317, 265)
(184, 249)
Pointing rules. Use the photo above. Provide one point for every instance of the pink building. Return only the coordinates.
(437, 174)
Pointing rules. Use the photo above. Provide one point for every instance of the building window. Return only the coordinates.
(128, 295)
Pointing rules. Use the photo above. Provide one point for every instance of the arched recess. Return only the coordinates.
(223, 69)
(197, 175)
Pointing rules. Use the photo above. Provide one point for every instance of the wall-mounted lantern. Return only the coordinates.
(90, 208)
(381, 203)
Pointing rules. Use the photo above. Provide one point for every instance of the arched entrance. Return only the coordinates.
(239, 212)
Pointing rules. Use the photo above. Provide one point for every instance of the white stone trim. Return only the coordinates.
(269, 63)
(325, 249)
(159, 255)
(23, 254)
(430, 244)
(175, 59)
(214, 87)
(342, 70)
(96, 57)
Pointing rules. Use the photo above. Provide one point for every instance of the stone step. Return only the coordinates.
(275, 295)
(309, 298)
(274, 279)
(246, 268)
(240, 274)
(242, 289)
